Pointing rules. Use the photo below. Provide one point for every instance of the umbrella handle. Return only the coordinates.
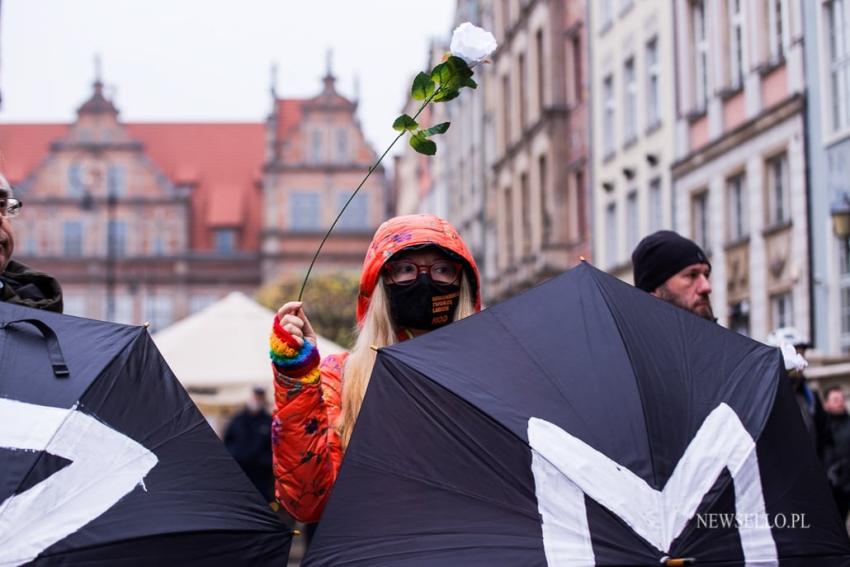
(54, 351)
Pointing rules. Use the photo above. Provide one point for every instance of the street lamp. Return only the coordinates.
(94, 178)
(840, 212)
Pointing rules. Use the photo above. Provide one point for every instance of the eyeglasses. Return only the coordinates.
(10, 207)
(403, 272)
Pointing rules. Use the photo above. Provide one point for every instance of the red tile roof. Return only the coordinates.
(223, 161)
(23, 146)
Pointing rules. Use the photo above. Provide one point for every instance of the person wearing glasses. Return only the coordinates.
(418, 275)
(20, 284)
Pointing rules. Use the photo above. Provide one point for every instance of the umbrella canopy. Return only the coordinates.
(104, 459)
(582, 423)
(221, 352)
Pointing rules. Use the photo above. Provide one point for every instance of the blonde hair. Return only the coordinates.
(378, 331)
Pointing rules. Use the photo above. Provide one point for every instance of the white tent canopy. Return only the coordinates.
(221, 353)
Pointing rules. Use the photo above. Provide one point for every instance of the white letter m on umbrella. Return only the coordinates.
(566, 469)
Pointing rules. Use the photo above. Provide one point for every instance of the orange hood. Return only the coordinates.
(402, 232)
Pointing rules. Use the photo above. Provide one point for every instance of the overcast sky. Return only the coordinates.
(209, 60)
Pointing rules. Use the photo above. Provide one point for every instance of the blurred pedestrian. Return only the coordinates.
(794, 346)
(838, 470)
(675, 269)
(418, 275)
(20, 284)
(248, 438)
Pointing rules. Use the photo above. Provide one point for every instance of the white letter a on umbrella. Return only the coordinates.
(106, 465)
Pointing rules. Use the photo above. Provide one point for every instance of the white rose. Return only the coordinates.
(793, 359)
(472, 44)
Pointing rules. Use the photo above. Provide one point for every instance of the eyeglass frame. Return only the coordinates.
(12, 206)
(426, 267)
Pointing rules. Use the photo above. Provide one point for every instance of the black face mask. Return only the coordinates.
(424, 304)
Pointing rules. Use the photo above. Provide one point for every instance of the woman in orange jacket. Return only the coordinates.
(418, 275)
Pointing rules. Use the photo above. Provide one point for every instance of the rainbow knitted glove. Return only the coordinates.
(293, 362)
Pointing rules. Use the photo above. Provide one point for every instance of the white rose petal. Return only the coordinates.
(793, 360)
(472, 44)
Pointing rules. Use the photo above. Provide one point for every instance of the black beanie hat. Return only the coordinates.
(663, 254)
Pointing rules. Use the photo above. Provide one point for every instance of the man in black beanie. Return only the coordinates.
(675, 269)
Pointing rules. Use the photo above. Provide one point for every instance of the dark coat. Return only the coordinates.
(21, 285)
(248, 438)
(839, 470)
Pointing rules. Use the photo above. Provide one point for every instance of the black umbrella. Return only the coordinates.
(105, 460)
(583, 422)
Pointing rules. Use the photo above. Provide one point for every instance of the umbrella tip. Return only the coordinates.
(374, 347)
(296, 532)
(146, 324)
(677, 562)
(582, 259)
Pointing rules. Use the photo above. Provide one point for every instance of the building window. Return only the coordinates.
(123, 310)
(736, 214)
(632, 231)
(575, 203)
(629, 101)
(781, 310)
(606, 14)
(739, 318)
(506, 110)
(117, 233)
(225, 240)
(158, 311)
(201, 301)
(838, 14)
(116, 181)
(72, 238)
(74, 304)
(508, 210)
(542, 176)
(578, 63)
(523, 101)
(736, 44)
(844, 282)
(342, 146)
(776, 30)
(525, 214)
(316, 146)
(75, 186)
(611, 236)
(541, 70)
(655, 212)
(653, 88)
(699, 48)
(608, 119)
(304, 212)
(699, 219)
(356, 216)
(778, 190)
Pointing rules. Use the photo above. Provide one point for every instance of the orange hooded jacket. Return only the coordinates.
(305, 444)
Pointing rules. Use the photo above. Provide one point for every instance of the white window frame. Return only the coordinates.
(736, 42)
(778, 189)
(609, 109)
(653, 84)
(700, 53)
(836, 66)
(777, 29)
(629, 101)
(782, 304)
(612, 237)
(700, 219)
(736, 209)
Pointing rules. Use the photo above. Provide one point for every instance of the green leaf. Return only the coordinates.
(423, 87)
(470, 83)
(452, 74)
(436, 129)
(405, 123)
(445, 95)
(422, 144)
